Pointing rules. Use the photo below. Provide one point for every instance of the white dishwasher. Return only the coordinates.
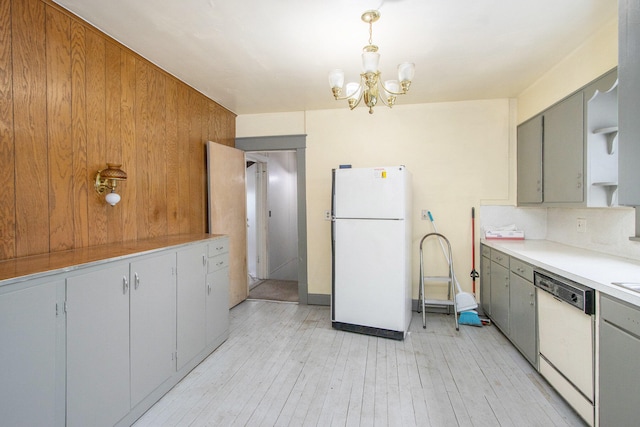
(566, 336)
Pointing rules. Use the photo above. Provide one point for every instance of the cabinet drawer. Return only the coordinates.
(218, 262)
(522, 269)
(500, 258)
(621, 314)
(486, 251)
(219, 246)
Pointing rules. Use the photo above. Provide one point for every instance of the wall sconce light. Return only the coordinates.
(107, 179)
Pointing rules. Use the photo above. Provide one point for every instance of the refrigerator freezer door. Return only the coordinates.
(371, 192)
(371, 274)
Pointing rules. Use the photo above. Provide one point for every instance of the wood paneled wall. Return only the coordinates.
(73, 99)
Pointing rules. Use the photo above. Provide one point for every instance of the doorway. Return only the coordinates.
(272, 235)
(297, 145)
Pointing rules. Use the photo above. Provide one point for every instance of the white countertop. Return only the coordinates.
(593, 269)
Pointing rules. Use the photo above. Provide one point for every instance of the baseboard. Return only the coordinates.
(318, 299)
(323, 299)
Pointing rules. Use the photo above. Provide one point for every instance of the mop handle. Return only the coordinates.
(444, 251)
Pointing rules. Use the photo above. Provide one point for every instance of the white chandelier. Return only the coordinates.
(370, 87)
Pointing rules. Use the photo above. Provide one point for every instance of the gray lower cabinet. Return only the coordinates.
(98, 392)
(153, 325)
(98, 344)
(121, 338)
(508, 297)
(500, 290)
(217, 290)
(191, 304)
(32, 332)
(522, 310)
(485, 280)
(618, 368)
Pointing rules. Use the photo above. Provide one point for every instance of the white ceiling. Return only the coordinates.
(258, 56)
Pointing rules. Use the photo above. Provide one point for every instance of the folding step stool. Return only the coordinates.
(451, 301)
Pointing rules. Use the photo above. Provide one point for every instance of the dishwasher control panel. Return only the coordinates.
(577, 295)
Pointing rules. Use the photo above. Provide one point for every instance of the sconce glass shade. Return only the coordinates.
(112, 198)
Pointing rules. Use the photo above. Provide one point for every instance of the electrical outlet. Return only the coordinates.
(327, 215)
(581, 225)
(424, 215)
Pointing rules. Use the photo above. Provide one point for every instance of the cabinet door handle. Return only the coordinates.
(136, 283)
(208, 289)
(125, 285)
(204, 260)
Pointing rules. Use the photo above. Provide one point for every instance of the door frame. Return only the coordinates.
(297, 143)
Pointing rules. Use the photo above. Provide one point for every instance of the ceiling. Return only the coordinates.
(260, 56)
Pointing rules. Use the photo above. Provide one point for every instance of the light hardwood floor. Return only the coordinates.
(283, 365)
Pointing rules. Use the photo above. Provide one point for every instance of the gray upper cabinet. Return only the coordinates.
(563, 151)
(530, 161)
(629, 102)
(568, 148)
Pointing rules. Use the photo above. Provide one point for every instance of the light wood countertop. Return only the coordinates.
(31, 267)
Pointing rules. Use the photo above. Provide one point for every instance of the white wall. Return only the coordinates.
(459, 153)
(283, 220)
(594, 57)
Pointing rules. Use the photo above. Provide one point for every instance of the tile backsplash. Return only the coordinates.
(607, 229)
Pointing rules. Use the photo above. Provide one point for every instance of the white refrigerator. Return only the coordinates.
(371, 250)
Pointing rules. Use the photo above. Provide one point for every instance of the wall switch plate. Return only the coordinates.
(581, 225)
(327, 215)
(424, 215)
